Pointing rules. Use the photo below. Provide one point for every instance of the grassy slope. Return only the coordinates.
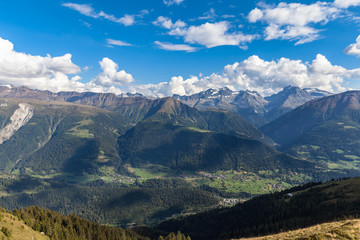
(347, 229)
(18, 229)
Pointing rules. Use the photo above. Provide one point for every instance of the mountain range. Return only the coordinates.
(256, 109)
(56, 146)
(251, 105)
(66, 136)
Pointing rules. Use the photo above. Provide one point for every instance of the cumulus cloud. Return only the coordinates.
(265, 77)
(346, 3)
(120, 43)
(253, 73)
(255, 15)
(212, 35)
(127, 20)
(294, 21)
(168, 24)
(208, 34)
(52, 73)
(36, 71)
(175, 47)
(172, 2)
(354, 49)
(110, 76)
(88, 10)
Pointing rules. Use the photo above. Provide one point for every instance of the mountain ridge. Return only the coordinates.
(250, 104)
(325, 131)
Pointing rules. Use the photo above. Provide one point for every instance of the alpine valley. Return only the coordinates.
(137, 160)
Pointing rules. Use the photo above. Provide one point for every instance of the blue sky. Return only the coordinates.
(165, 47)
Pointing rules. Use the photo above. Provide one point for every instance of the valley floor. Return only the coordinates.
(347, 229)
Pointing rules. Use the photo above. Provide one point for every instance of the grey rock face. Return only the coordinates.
(20, 117)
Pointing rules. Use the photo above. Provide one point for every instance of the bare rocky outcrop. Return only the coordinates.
(20, 117)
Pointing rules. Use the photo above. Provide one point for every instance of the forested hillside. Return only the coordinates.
(295, 208)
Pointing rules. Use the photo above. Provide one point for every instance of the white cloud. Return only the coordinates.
(117, 42)
(228, 16)
(171, 2)
(127, 20)
(110, 76)
(254, 73)
(294, 21)
(51, 73)
(212, 35)
(208, 34)
(268, 77)
(303, 34)
(36, 71)
(255, 15)
(84, 9)
(88, 10)
(167, 23)
(209, 15)
(175, 47)
(354, 49)
(346, 3)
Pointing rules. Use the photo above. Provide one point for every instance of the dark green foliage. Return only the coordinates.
(116, 205)
(310, 204)
(165, 183)
(69, 138)
(22, 143)
(6, 231)
(61, 227)
(69, 153)
(233, 124)
(182, 148)
(173, 236)
(167, 110)
(21, 184)
(324, 131)
(334, 141)
(48, 143)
